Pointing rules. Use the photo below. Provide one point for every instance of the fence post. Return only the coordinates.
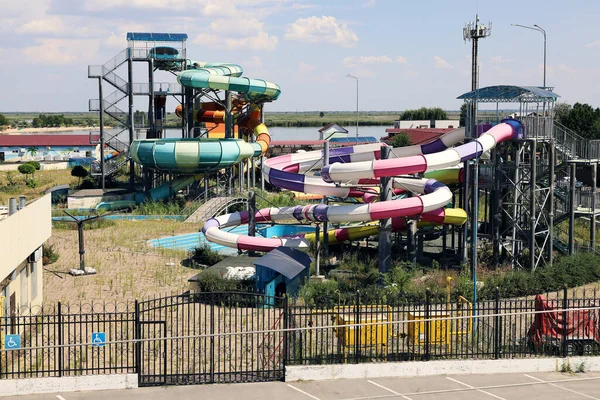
(138, 343)
(357, 328)
(427, 322)
(497, 324)
(285, 332)
(60, 341)
(564, 318)
(212, 337)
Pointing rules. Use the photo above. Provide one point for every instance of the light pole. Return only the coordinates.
(352, 76)
(538, 28)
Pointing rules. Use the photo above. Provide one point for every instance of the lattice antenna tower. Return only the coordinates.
(474, 31)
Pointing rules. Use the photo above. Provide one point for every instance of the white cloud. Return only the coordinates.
(46, 25)
(441, 63)
(102, 5)
(262, 41)
(350, 61)
(499, 60)
(401, 60)
(298, 6)
(370, 3)
(254, 61)
(61, 51)
(304, 68)
(321, 29)
(565, 68)
(595, 43)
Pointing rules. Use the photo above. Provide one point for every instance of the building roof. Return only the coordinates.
(285, 260)
(156, 37)
(47, 140)
(510, 94)
(335, 128)
(418, 135)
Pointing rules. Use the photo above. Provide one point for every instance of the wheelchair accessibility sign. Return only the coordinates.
(12, 342)
(99, 339)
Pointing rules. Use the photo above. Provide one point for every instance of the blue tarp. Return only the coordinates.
(156, 37)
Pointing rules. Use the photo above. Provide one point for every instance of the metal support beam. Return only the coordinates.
(251, 217)
(593, 207)
(573, 178)
(532, 205)
(551, 184)
(101, 115)
(385, 225)
(325, 201)
(131, 121)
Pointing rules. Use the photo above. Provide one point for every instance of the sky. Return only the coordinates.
(405, 54)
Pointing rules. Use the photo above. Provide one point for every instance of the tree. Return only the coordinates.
(35, 164)
(581, 118)
(32, 150)
(321, 114)
(424, 113)
(463, 115)
(3, 120)
(79, 171)
(401, 140)
(26, 169)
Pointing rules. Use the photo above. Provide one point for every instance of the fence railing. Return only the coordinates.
(235, 337)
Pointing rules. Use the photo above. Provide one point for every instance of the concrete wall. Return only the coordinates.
(431, 368)
(21, 234)
(412, 124)
(20, 387)
(446, 123)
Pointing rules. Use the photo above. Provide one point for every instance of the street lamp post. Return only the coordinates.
(352, 76)
(538, 28)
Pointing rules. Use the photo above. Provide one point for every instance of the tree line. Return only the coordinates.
(583, 119)
(424, 113)
(43, 121)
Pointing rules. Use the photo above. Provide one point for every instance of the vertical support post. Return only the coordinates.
(251, 217)
(138, 343)
(573, 178)
(262, 176)
(465, 206)
(318, 250)
(532, 206)
(286, 326)
(385, 224)
(564, 327)
(551, 184)
(189, 113)
(593, 207)
(326, 201)
(495, 212)
(131, 121)
(61, 341)
(101, 122)
(81, 246)
(212, 338)
(151, 114)
(357, 328)
(428, 323)
(497, 325)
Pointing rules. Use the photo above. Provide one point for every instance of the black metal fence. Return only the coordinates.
(247, 337)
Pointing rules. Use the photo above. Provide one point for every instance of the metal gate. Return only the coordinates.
(201, 338)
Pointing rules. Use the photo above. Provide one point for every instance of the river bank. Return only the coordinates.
(16, 131)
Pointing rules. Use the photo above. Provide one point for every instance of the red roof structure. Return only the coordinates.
(417, 135)
(47, 140)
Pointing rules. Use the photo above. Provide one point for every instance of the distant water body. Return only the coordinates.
(277, 133)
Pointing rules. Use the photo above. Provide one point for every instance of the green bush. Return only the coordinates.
(31, 183)
(35, 164)
(322, 294)
(206, 256)
(26, 169)
(49, 254)
(209, 281)
(150, 207)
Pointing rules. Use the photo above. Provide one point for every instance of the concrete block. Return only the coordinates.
(18, 387)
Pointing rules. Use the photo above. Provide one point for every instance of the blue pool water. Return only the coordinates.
(190, 241)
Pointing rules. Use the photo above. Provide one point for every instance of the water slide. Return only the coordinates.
(352, 167)
(190, 159)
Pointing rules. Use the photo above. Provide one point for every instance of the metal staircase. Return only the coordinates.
(107, 72)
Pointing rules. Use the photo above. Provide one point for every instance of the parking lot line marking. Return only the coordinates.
(303, 392)
(389, 390)
(474, 388)
(561, 387)
(59, 397)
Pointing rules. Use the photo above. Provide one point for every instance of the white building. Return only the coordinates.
(21, 237)
(446, 123)
(425, 123)
(330, 131)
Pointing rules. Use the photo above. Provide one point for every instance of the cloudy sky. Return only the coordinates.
(406, 54)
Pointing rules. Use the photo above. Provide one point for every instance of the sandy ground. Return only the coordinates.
(14, 131)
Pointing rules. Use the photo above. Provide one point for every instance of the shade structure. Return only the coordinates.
(287, 261)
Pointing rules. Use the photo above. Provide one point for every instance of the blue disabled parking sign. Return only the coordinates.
(99, 339)
(12, 342)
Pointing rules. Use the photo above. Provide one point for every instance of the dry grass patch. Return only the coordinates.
(127, 267)
(45, 179)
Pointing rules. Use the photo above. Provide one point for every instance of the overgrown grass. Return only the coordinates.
(205, 255)
(99, 223)
(12, 183)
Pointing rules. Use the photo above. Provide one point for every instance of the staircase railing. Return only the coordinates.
(116, 81)
(116, 61)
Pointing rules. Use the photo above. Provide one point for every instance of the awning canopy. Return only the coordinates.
(510, 94)
(285, 260)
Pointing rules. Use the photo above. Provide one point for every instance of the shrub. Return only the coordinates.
(401, 140)
(322, 294)
(49, 254)
(79, 171)
(26, 169)
(32, 183)
(35, 164)
(210, 281)
(206, 256)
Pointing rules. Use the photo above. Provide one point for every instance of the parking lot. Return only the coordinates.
(543, 386)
